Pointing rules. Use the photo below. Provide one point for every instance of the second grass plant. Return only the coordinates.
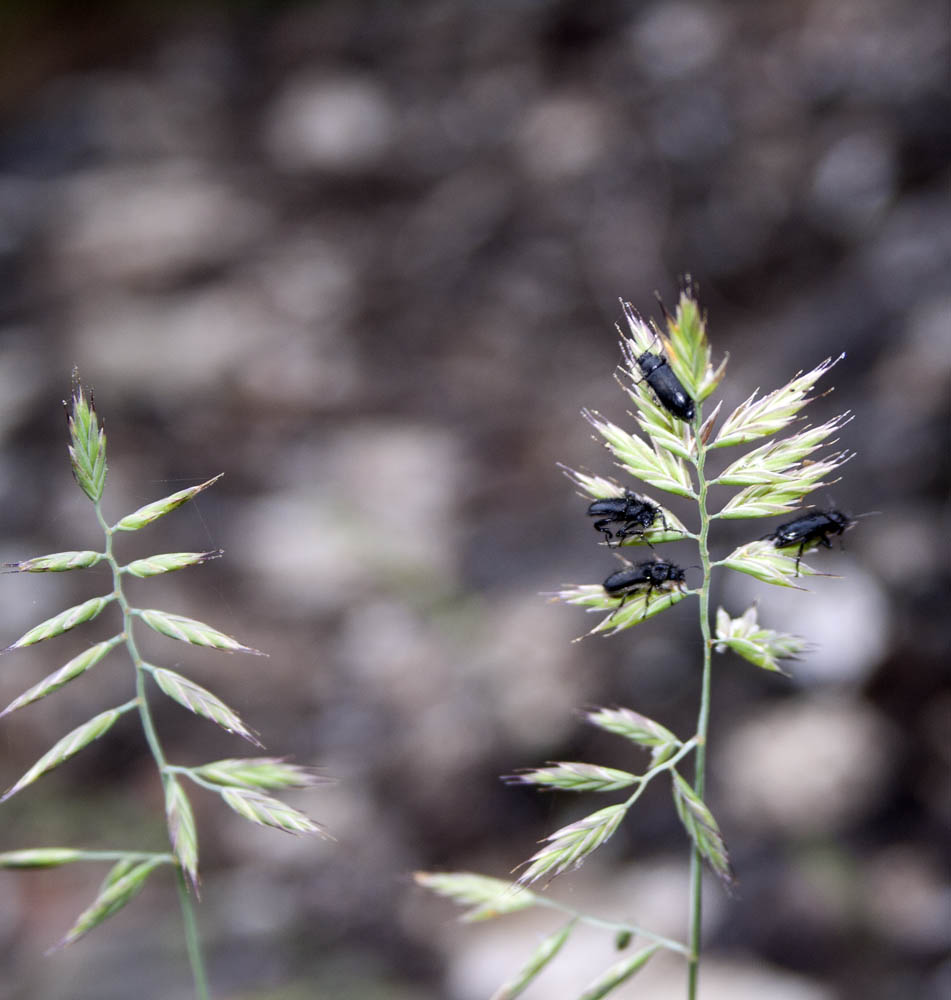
(243, 784)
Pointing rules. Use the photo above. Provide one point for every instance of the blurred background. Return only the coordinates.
(365, 259)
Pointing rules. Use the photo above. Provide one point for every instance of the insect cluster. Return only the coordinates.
(632, 516)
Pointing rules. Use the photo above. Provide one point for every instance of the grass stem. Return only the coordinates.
(192, 940)
(703, 721)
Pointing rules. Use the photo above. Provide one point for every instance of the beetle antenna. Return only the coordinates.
(663, 308)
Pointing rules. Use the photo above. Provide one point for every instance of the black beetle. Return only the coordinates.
(812, 528)
(633, 513)
(667, 387)
(644, 578)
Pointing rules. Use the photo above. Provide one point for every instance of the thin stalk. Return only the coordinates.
(703, 721)
(192, 940)
(667, 765)
(611, 925)
(124, 856)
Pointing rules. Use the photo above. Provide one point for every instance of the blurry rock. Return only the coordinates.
(448, 225)
(309, 280)
(133, 117)
(244, 333)
(808, 767)
(156, 223)
(23, 375)
(337, 123)
(564, 137)
(457, 680)
(905, 263)
(907, 899)
(854, 182)
(533, 673)
(402, 659)
(21, 203)
(692, 128)
(858, 47)
(275, 907)
(924, 361)
(750, 980)
(170, 345)
(677, 39)
(368, 511)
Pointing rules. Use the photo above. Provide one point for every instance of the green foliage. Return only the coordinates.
(760, 646)
(539, 958)
(87, 448)
(123, 883)
(257, 772)
(489, 897)
(702, 828)
(70, 744)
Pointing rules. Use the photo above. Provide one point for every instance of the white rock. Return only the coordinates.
(337, 123)
(127, 224)
(808, 767)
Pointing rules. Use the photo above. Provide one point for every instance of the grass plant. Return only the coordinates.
(243, 784)
(670, 454)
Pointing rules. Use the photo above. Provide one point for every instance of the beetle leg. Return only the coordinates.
(639, 530)
(624, 598)
(619, 535)
(802, 545)
(602, 526)
(647, 599)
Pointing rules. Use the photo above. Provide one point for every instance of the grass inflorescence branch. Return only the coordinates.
(667, 375)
